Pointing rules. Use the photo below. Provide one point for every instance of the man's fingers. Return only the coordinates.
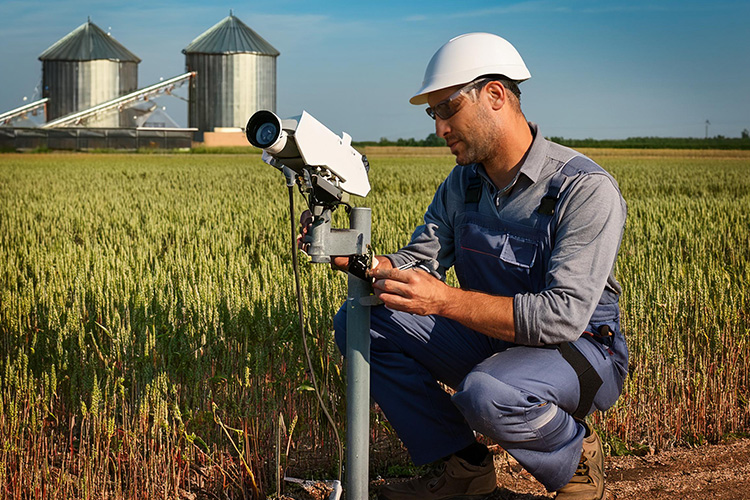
(390, 274)
(340, 263)
(392, 301)
(305, 218)
(391, 286)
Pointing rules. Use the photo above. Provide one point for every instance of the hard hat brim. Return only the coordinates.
(440, 82)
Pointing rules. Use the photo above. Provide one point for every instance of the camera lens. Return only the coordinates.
(266, 134)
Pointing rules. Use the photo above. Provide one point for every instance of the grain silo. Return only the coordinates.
(236, 75)
(85, 68)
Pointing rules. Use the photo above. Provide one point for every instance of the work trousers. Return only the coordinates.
(520, 397)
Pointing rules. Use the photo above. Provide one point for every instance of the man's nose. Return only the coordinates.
(441, 127)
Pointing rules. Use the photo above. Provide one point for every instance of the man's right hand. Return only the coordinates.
(380, 262)
(340, 263)
(305, 220)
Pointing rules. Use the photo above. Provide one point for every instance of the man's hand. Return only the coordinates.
(412, 290)
(305, 220)
(418, 292)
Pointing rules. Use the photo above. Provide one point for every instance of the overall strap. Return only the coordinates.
(473, 190)
(589, 381)
(572, 168)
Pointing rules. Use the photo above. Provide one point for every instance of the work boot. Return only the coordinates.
(456, 480)
(588, 480)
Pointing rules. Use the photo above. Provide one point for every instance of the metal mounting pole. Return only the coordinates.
(358, 372)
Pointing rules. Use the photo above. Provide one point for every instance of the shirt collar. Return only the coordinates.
(534, 162)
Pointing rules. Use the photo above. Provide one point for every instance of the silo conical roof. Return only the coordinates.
(230, 36)
(88, 42)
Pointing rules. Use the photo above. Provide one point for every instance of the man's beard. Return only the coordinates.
(480, 146)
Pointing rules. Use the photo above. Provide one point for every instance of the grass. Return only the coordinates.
(684, 264)
(148, 327)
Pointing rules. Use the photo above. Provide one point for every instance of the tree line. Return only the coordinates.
(716, 142)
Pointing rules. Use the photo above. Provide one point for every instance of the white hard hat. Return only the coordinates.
(467, 57)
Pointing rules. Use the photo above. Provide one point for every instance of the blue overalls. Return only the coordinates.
(521, 397)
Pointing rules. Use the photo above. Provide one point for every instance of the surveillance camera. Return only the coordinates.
(264, 130)
(303, 142)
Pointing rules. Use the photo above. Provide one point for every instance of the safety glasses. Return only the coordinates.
(450, 106)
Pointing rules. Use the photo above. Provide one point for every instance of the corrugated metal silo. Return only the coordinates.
(85, 68)
(236, 75)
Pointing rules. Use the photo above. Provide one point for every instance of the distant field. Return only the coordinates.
(389, 151)
(148, 324)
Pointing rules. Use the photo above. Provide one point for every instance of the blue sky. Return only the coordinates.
(601, 69)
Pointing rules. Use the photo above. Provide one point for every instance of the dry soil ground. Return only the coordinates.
(716, 472)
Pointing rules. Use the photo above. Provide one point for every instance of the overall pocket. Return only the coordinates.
(519, 252)
(498, 261)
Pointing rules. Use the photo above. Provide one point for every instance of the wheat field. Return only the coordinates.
(150, 345)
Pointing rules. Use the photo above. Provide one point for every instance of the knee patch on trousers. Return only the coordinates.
(510, 415)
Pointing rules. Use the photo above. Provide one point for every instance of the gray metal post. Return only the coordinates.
(358, 373)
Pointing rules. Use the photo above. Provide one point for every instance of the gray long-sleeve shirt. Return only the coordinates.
(589, 219)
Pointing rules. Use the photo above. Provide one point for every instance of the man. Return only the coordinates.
(531, 340)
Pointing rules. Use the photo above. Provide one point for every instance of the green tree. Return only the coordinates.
(433, 140)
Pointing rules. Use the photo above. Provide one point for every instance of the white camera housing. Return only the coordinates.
(303, 142)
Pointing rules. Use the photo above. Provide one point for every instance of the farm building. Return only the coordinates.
(235, 75)
(85, 68)
(90, 92)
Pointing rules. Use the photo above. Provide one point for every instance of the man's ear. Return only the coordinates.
(497, 94)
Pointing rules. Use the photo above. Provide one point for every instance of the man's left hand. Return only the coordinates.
(412, 290)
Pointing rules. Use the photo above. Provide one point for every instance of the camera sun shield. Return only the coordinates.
(321, 147)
